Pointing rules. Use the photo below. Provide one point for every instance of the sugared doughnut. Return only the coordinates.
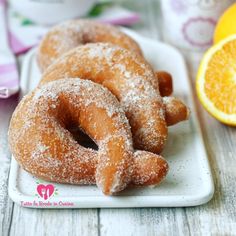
(41, 140)
(127, 76)
(70, 34)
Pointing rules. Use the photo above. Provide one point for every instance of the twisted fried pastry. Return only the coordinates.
(70, 34)
(40, 140)
(127, 76)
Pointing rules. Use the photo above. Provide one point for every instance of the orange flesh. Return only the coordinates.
(220, 79)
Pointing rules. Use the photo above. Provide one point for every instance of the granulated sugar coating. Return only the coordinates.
(176, 110)
(53, 150)
(70, 34)
(129, 77)
(44, 147)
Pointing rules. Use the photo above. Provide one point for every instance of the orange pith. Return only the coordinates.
(220, 78)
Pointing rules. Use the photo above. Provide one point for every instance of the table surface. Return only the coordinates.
(218, 217)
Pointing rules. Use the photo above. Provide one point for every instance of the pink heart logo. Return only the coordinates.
(45, 191)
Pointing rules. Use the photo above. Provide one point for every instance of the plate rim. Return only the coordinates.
(110, 202)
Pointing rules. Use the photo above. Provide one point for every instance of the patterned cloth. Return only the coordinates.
(24, 34)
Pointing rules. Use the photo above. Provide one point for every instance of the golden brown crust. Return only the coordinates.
(47, 111)
(61, 38)
(176, 110)
(68, 35)
(41, 143)
(128, 77)
(165, 83)
(147, 162)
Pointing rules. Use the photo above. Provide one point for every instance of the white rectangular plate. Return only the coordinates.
(189, 181)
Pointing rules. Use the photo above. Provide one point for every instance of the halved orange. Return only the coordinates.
(216, 81)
